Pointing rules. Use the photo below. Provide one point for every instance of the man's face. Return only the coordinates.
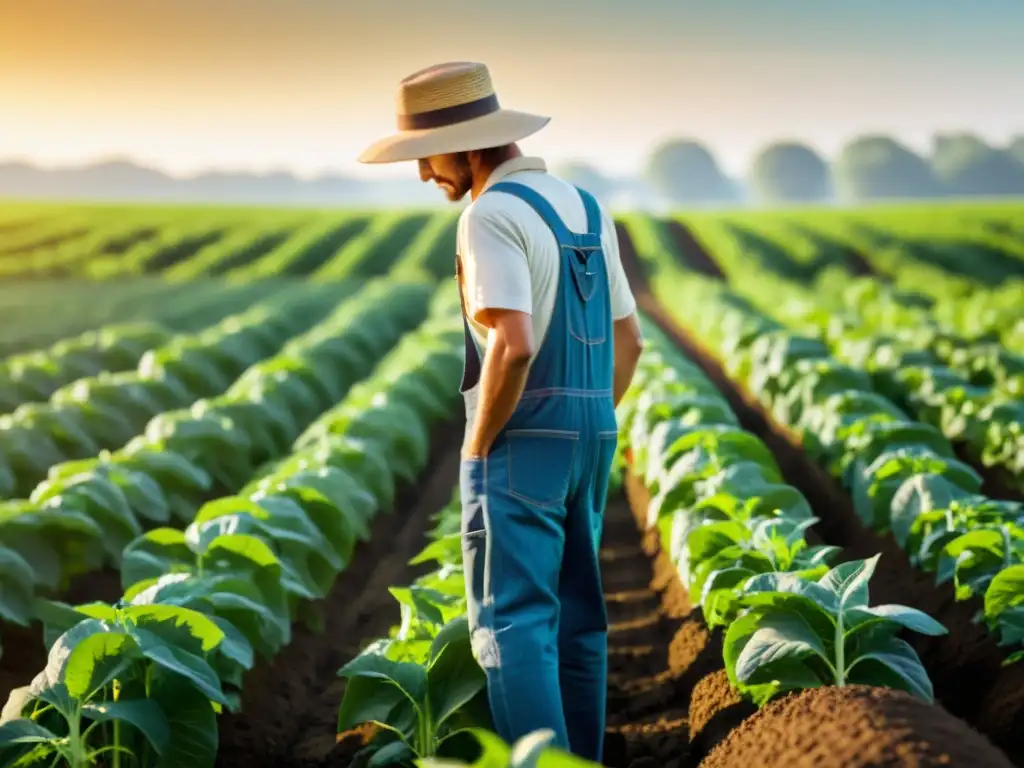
(450, 172)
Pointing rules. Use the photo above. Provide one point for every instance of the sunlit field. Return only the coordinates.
(229, 463)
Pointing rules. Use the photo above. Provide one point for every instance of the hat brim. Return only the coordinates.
(493, 130)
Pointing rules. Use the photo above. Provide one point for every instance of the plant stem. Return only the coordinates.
(78, 755)
(117, 728)
(427, 745)
(840, 650)
(145, 743)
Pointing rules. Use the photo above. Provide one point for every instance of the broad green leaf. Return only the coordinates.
(144, 714)
(816, 593)
(410, 679)
(395, 753)
(918, 494)
(193, 668)
(900, 659)
(1005, 591)
(453, 676)
(26, 743)
(191, 721)
(849, 582)
(96, 660)
(779, 637)
(16, 587)
(910, 618)
(176, 625)
(160, 551)
(62, 649)
(379, 701)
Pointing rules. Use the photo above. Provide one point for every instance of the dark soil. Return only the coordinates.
(647, 693)
(290, 706)
(964, 665)
(854, 727)
(715, 710)
(857, 262)
(691, 249)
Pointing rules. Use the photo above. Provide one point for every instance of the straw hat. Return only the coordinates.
(447, 108)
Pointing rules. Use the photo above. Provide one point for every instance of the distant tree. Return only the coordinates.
(685, 171)
(790, 171)
(878, 167)
(1016, 148)
(587, 176)
(966, 165)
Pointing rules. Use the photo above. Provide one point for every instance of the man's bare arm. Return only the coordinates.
(629, 343)
(503, 375)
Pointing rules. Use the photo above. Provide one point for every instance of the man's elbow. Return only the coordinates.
(637, 347)
(518, 353)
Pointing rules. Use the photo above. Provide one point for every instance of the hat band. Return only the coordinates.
(436, 118)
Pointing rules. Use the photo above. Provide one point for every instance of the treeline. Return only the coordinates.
(867, 168)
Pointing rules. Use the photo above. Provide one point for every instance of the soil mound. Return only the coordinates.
(854, 727)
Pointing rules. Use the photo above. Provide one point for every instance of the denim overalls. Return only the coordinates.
(533, 510)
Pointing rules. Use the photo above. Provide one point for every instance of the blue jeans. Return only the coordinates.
(532, 515)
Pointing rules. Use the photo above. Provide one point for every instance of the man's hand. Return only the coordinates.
(503, 375)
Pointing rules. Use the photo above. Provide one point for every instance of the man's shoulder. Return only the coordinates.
(488, 205)
(495, 210)
(510, 212)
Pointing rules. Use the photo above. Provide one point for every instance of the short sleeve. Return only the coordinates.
(622, 300)
(493, 252)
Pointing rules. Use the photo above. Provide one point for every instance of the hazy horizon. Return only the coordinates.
(303, 86)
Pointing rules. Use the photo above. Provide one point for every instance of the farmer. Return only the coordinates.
(552, 342)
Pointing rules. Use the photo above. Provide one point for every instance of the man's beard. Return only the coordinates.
(456, 188)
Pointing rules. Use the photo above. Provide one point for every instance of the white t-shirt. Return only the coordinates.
(511, 260)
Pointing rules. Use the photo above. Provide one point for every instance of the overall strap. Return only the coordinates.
(537, 201)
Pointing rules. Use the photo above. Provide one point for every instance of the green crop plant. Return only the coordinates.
(736, 533)
(230, 586)
(793, 632)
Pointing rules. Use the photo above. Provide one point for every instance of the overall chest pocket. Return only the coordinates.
(586, 297)
(540, 464)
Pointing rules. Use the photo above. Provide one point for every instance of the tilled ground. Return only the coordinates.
(290, 707)
(668, 699)
(965, 665)
(670, 703)
(647, 722)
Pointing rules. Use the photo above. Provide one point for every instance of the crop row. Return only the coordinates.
(902, 475)
(86, 511)
(147, 675)
(969, 390)
(104, 410)
(45, 312)
(33, 376)
(952, 268)
(967, 385)
(104, 237)
(738, 537)
(239, 245)
(767, 611)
